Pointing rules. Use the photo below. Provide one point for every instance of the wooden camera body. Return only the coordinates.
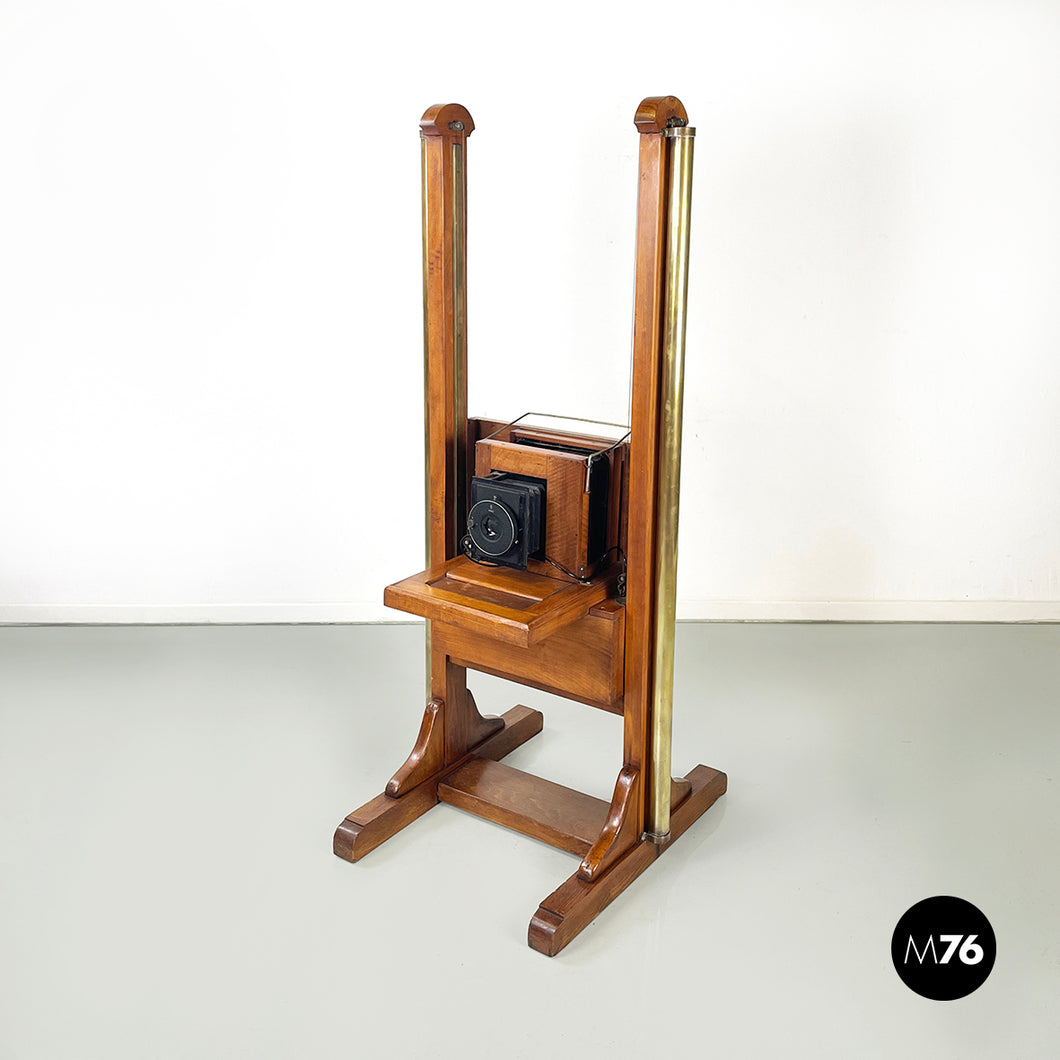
(569, 585)
(583, 479)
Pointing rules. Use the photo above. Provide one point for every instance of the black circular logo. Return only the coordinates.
(943, 948)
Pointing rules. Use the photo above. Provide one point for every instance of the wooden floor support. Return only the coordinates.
(376, 821)
(575, 904)
(571, 820)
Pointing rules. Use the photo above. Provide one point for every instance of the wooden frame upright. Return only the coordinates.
(560, 634)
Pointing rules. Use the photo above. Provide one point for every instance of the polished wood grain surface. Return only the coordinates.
(650, 119)
(555, 814)
(581, 661)
(428, 754)
(461, 593)
(444, 130)
(621, 829)
(656, 113)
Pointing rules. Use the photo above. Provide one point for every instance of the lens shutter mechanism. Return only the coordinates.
(506, 523)
(492, 527)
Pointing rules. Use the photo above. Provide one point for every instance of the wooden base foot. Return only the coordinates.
(576, 903)
(376, 821)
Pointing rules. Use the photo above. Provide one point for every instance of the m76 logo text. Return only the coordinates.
(969, 952)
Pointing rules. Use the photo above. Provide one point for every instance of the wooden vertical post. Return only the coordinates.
(629, 805)
(451, 724)
(623, 849)
(652, 118)
(444, 131)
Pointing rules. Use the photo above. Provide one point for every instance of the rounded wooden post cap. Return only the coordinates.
(447, 119)
(657, 113)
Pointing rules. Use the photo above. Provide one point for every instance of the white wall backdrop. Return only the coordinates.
(210, 333)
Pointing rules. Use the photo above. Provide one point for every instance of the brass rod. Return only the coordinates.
(458, 494)
(424, 206)
(679, 203)
(450, 337)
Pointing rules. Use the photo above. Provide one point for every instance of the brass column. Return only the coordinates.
(679, 202)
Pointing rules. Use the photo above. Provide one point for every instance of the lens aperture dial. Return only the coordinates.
(493, 527)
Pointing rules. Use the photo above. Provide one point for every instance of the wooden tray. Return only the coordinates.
(514, 606)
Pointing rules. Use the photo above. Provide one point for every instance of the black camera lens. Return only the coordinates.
(492, 527)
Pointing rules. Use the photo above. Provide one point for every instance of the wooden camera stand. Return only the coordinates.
(565, 632)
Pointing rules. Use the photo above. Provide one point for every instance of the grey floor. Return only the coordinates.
(167, 887)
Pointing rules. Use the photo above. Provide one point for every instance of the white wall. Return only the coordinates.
(210, 332)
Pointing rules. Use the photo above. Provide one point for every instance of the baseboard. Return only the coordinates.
(195, 614)
(687, 611)
(869, 610)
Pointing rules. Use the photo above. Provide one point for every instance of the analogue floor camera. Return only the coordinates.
(506, 519)
(519, 466)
